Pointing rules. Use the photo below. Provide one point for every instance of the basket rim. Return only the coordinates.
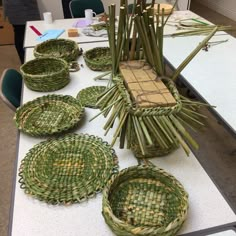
(66, 67)
(108, 212)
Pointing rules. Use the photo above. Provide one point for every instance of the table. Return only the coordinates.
(31, 37)
(208, 208)
(210, 74)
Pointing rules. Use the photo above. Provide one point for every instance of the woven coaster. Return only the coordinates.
(67, 170)
(144, 200)
(48, 115)
(88, 96)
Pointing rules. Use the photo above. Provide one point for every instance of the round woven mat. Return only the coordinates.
(67, 170)
(47, 115)
(88, 96)
(144, 200)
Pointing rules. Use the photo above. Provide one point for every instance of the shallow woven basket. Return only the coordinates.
(45, 74)
(48, 115)
(144, 200)
(67, 170)
(88, 96)
(59, 48)
(98, 59)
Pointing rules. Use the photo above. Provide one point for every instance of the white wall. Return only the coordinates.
(227, 7)
(54, 6)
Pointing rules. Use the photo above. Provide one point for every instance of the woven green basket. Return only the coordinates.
(88, 96)
(144, 201)
(45, 74)
(98, 59)
(59, 48)
(48, 115)
(67, 170)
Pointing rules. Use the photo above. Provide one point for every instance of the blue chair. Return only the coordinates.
(11, 85)
(77, 7)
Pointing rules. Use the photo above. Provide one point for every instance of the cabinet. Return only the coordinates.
(6, 30)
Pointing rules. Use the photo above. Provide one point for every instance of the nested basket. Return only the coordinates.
(144, 201)
(98, 59)
(45, 74)
(59, 48)
(49, 115)
(68, 169)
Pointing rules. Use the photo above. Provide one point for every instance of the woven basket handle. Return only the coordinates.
(74, 66)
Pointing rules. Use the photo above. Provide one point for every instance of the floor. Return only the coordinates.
(217, 151)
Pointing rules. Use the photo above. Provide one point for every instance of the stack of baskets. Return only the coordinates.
(48, 115)
(98, 59)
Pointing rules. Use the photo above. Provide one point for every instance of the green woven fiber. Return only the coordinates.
(98, 59)
(59, 48)
(67, 170)
(88, 96)
(45, 74)
(48, 115)
(144, 201)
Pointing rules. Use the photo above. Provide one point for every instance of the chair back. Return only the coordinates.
(77, 7)
(11, 85)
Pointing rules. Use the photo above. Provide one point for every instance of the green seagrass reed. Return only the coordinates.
(127, 211)
(66, 170)
(45, 74)
(60, 48)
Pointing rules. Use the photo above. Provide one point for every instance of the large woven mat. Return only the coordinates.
(144, 200)
(67, 170)
(88, 97)
(49, 115)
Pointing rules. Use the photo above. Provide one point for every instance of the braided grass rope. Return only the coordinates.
(88, 97)
(48, 115)
(144, 201)
(67, 170)
(153, 131)
(45, 74)
(98, 59)
(60, 48)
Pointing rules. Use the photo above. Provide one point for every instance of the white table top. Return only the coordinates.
(211, 73)
(207, 207)
(31, 37)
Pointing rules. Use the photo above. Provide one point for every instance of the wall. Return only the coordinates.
(226, 8)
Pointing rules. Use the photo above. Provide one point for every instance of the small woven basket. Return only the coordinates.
(59, 48)
(98, 59)
(144, 201)
(88, 96)
(48, 115)
(45, 74)
(68, 169)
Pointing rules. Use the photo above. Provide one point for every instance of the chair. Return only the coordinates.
(11, 84)
(77, 7)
